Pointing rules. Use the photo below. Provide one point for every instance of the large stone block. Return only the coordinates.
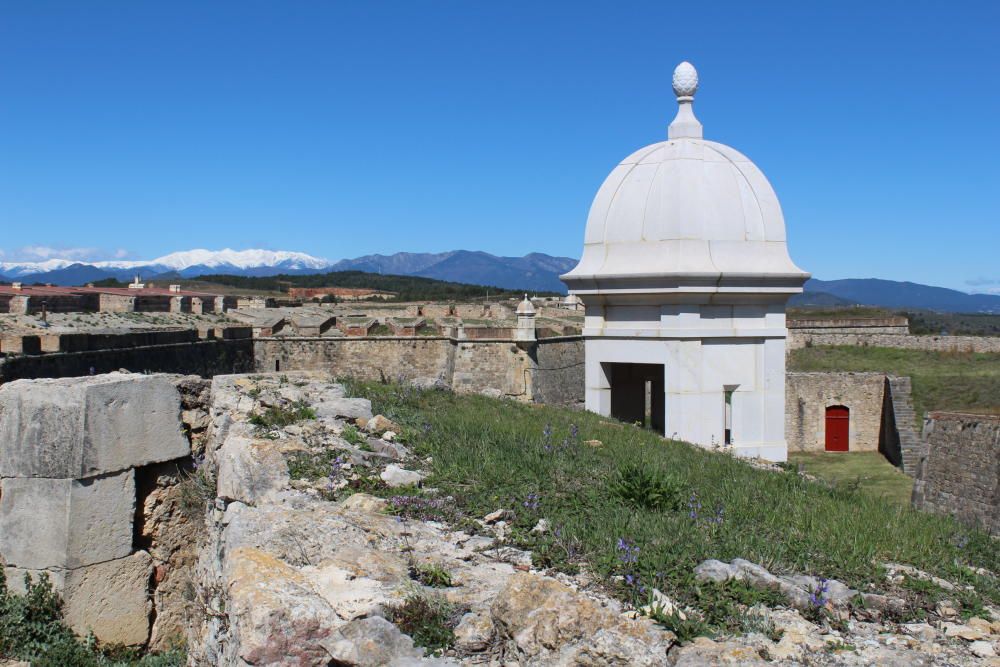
(110, 599)
(65, 523)
(79, 427)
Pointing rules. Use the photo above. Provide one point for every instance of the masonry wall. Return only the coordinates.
(806, 338)
(807, 395)
(205, 358)
(497, 366)
(559, 372)
(960, 472)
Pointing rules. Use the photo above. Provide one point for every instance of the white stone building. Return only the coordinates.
(684, 278)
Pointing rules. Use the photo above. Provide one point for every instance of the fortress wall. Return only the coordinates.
(197, 357)
(558, 377)
(960, 471)
(807, 395)
(361, 357)
(805, 338)
(500, 366)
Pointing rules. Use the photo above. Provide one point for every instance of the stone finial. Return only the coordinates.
(685, 80)
(685, 125)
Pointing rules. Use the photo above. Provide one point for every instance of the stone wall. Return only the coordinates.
(807, 338)
(807, 395)
(960, 471)
(862, 325)
(548, 371)
(558, 376)
(79, 459)
(204, 357)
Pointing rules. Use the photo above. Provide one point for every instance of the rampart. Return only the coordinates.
(808, 395)
(201, 357)
(548, 370)
(978, 344)
(960, 471)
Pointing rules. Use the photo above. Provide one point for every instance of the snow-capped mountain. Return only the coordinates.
(187, 264)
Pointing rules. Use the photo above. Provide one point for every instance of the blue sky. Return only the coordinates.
(136, 129)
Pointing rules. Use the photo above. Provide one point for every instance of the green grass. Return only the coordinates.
(530, 460)
(869, 472)
(960, 381)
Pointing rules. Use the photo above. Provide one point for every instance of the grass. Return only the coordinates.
(531, 461)
(869, 472)
(276, 417)
(430, 620)
(961, 381)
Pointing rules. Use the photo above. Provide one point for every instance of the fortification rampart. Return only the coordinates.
(960, 471)
(200, 357)
(548, 370)
(809, 395)
(808, 338)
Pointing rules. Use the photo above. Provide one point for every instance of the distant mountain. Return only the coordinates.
(535, 271)
(187, 264)
(905, 295)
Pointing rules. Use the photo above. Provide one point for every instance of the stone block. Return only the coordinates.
(65, 523)
(71, 428)
(110, 599)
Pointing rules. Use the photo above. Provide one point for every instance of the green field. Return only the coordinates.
(869, 472)
(635, 507)
(960, 381)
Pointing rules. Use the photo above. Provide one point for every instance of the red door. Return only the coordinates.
(838, 420)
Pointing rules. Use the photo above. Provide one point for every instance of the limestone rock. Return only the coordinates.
(72, 428)
(394, 476)
(703, 651)
(65, 523)
(344, 408)
(379, 424)
(370, 642)
(474, 632)
(110, 599)
(250, 470)
(430, 383)
(545, 618)
(982, 649)
(965, 632)
(273, 612)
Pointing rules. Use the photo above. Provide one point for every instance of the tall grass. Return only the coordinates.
(534, 462)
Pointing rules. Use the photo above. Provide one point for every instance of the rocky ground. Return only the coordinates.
(322, 551)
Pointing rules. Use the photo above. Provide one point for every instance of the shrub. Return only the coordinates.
(32, 629)
(646, 487)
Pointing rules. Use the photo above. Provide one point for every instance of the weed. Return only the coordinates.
(641, 486)
(352, 435)
(430, 620)
(430, 574)
(275, 417)
(685, 626)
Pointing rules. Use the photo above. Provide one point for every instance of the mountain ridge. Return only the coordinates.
(532, 272)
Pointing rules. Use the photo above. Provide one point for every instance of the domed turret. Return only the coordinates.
(685, 211)
(684, 277)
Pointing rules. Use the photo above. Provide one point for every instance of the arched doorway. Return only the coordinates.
(838, 423)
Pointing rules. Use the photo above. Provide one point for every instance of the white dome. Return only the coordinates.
(685, 208)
